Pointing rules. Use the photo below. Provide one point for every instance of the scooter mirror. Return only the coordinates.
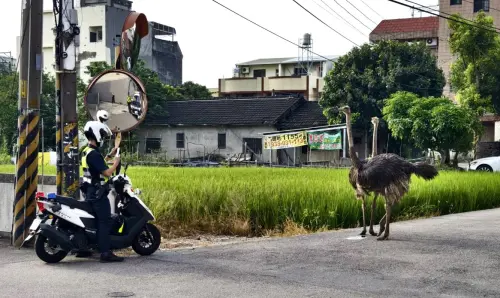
(122, 95)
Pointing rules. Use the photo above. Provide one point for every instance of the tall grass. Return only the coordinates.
(221, 199)
(252, 200)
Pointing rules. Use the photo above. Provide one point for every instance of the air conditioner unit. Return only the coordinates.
(431, 41)
(245, 70)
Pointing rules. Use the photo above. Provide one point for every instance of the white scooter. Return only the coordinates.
(65, 225)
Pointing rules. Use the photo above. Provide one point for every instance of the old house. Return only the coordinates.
(222, 127)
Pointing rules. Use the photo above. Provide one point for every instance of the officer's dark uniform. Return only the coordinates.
(93, 165)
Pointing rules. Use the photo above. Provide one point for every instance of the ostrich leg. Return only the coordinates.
(388, 206)
(372, 217)
(382, 225)
(363, 207)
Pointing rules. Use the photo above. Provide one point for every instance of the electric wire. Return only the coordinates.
(355, 7)
(460, 18)
(448, 18)
(324, 22)
(352, 26)
(275, 34)
(352, 15)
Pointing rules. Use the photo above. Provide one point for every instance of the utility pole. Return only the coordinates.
(67, 178)
(30, 76)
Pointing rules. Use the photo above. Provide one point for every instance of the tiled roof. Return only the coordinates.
(407, 25)
(490, 118)
(280, 112)
(219, 112)
(309, 114)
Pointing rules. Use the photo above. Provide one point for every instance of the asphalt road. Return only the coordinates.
(450, 256)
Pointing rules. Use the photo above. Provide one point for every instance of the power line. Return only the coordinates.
(362, 1)
(361, 12)
(414, 73)
(352, 15)
(275, 34)
(438, 15)
(324, 22)
(461, 18)
(352, 26)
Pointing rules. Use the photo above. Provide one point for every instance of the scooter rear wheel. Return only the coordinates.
(43, 254)
(148, 241)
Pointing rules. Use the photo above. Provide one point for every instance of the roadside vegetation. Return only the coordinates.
(263, 201)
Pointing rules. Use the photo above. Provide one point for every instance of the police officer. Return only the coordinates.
(94, 185)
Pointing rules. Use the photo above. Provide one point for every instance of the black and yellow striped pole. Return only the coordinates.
(30, 76)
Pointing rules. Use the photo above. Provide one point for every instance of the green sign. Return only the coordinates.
(321, 140)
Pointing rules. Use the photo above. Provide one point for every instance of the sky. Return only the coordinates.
(213, 39)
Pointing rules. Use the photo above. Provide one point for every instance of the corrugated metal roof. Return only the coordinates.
(285, 60)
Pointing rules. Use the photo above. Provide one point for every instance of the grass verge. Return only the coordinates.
(264, 201)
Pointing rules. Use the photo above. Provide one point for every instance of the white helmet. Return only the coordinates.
(97, 131)
(102, 116)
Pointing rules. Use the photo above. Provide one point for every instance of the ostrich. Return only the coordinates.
(387, 175)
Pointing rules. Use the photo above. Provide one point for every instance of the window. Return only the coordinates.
(455, 2)
(277, 72)
(95, 34)
(253, 144)
(153, 145)
(180, 140)
(221, 141)
(483, 5)
(259, 73)
(300, 71)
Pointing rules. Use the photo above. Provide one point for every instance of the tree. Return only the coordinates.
(9, 84)
(191, 90)
(475, 74)
(367, 75)
(434, 123)
(48, 111)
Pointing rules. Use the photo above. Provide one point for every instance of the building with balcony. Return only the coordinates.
(162, 53)
(101, 23)
(409, 30)
(276, 77)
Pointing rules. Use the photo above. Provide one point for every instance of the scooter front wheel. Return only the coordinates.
(148, 240)
(42, 247)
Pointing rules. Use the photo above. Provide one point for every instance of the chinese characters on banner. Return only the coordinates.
(283, 141)
(322, 140)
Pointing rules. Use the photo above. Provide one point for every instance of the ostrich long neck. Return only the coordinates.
(354, 158)
(375, 130)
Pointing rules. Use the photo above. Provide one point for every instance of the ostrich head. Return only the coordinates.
(346, 110)
(375, 120)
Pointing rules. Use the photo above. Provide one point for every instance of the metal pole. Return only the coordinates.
(29, 110)
(43, 155)
(344, 141)
(67, 117)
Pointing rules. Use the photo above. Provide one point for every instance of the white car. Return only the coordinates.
(487, 164)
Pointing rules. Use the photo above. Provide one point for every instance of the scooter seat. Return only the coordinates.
(72, 203)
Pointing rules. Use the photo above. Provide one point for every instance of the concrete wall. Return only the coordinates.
(489, 132)
(207, 136)
(7, 199)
